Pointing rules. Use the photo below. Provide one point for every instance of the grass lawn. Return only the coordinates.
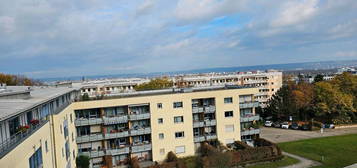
(286, 161)
(334, 152)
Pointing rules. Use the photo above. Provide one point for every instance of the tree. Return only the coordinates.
(82, 161)
(134, 162)
(159, 83)
(318, 78)
(171, 157)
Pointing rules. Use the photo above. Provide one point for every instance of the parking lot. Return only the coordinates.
(278, 135)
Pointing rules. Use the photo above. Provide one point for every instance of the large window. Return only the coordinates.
(178, 119)
(178, 105)
(35, 160)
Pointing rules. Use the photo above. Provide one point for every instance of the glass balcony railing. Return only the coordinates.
(141, 148)
(86, 121)
(248, 118)
(139, 116)
(93, 154)
(140, 131)
(248, 104)
(250, 132)
(199, 138)
(112, 135)
(115, 120)
(205, 109)
(89, 138)
(118, 151)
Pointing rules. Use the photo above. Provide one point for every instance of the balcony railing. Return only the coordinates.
(199, 138)
(93, 154)
(197, 124)
(89, 138)
(248, 104)
(210, 122)
(116, 135)
(141, 131)
(211, 137)
(90, 121)
(249, 118)
(250, 132)
(141, 148)
(139, 116)
(115, 120)
(210, 109)
(205, 109)
(118, 151)
(9, 144)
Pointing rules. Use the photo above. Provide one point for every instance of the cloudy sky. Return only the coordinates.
(56, 38)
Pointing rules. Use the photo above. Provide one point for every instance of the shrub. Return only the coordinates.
(134, 162)
(82, 161)
(171, 157)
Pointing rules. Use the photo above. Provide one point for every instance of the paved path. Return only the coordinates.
(352, 166)
(278, 135)
(303, 162)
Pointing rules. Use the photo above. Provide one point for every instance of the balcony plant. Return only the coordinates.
(23, 128)
(34, 122)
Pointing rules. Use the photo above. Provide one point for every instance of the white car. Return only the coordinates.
(285, 125)
(268, 123)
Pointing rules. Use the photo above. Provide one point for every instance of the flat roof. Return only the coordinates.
(13, 106)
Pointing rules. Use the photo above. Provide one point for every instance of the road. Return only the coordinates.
(278, 135)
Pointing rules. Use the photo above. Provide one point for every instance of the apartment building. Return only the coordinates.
(149, 124)
(268, 82)
(35, 127)
(49, 126)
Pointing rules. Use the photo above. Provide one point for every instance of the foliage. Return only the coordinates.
(171, 157)
(20, 80)
(134, 162)
(82, 161)
(319, 78)
(286, 161)
(334, 151)
(326, 101)
(159, 83)
(85, 97)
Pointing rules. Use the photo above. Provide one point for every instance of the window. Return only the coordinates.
(72, 137)
(70, 116)
(68, 152)
(178, 119)
(162, 151)
(180, 149)
(74, 155)
(179, 134)
(178, 105)
(228, 100)
(229, 128)
(160, 120)
(46, 146)
(61, 128)
(228, 114)
(161, 136)
(159, 105)
(62, 152)
(35, 160)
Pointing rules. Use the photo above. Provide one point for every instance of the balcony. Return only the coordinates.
(115, 120)
(248, 104)
(9, 144)
(250, 132)
(211, 137)
(210, 122)
(113, 135)
(139, 116)
(89, 138)
(140, 131)
(248, 118)
(210, 109)
(90, 121)
(93, 154)
(118, 151)
(197, 124)
(199, 138)
(141, 148)
(197, 109)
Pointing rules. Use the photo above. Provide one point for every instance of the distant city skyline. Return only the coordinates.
(80, 38)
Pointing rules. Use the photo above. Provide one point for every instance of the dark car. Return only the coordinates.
(306, 127)
(294, 126)
(277, 124)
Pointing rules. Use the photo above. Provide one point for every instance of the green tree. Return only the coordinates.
(318, 78)
(159, 83)
(82, 161)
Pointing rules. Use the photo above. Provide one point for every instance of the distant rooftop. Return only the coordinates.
(37, 95)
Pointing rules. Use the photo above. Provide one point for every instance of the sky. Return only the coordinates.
(56, 38)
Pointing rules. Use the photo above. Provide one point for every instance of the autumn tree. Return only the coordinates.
(159, 83)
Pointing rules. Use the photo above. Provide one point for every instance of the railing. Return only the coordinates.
(248, 104)
(250, 132)
(210, 109)
(199, 138)
(116, 135)
(142, 131)
(93, 154)
(139, 116)
(254, 81)
(62, 107)
(211, 137)
(210, 122)
(89, 138)
(198, 124)
(90, 121)
(9, 144)
(141, 148)
(115, 120)
(249, 118)
(118, 151)
(205, 109)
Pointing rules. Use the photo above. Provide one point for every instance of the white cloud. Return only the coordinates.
(7, 24)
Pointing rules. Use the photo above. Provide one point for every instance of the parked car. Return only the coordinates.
(285, 125)
(268, 123)
(294, 126)
(277, 124)
(306, 127)
(332, 126)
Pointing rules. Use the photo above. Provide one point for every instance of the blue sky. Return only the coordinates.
(56, 38)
